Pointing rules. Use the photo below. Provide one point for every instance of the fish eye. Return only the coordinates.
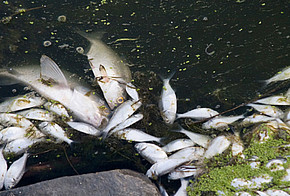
(106, 111)
(120, 100)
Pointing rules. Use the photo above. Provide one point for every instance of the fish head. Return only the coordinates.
(114, 92)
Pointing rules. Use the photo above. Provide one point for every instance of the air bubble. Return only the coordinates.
(47, 43)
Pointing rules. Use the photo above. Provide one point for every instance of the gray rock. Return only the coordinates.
(109, 183)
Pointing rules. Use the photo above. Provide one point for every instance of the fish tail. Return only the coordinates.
(167, 79)
(74, 145)
(162, 141)
(180, 129)
(105, 134)
(264, 83)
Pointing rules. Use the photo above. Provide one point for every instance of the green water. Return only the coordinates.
(249, 42)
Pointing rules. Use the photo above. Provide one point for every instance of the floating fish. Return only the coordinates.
(183, 171)
(137, 135)
(122, 113)
(198, 114)
(57, 109)
(177, 145)
(3, 168)
(21, 102)
(85, 128)
(168, 103)
(12, 133)
(202, 140)
(54, 130)
(37, 114)
(280, 76)
(21, 145)
(274, 100)
(182, 189)
(163, 167)
(256, 118)
(217, 146)
(189, 153)
(151, 152)
(128, 122)
(9, 119)
(15, 172)
(51, 83)
(132, 91)
(267, 110)
(109, 69)
(221, 122)
(237, 146)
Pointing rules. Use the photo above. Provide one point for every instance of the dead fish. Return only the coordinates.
(37, 114)
(122, 113)
(274, 100)
(182, 190)
(280, 76)
(221, 122)
(151, 152)
(168, 103)
(217, 146)
(21, 102)
(128, 122)
(15, 172)
(136, 135)
(109, 69)
(12, 133)
(198, 114)
(256, 118)
(163, 167)
(9, 119)
(132, 91)
(202, 140)
(85, 128)
(184, 171)
(3, 168)
(50, 82)
(54, 130)
(267, 110)
(189, 153)
(21, 145)
(57, 109)
(177, 145)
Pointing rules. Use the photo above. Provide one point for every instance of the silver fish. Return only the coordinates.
(3, 168)
(128, 122)
(202, 140)
(151, 152)
(109, 69)
(12, 133)
(37, 114)
(217, 146)
(122, 113)
(85, 128)
(221, 122)
(281, 75)
(256, 118)
(198, 114)
(136, 135)
(50, 82)
(54, 130)
(182, 190)
(57, 108)
(132, 91)
(9, 119)
(267, 110)
(184, 171)
(274, 100)
(168, 103)
(21, 102)
(21, 145)
(15, 172)
(163, 167)
(177, 145)
(189, 153)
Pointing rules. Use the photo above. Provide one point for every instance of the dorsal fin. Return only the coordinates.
(50, 70)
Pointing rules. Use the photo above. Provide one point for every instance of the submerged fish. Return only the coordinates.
(3, 168)
(198, 114)
(168, 104)
(110, 70)
(15, 172)
(21, 102)
(49, 81)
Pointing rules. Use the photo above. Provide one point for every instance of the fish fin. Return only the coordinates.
(74, 145)
(91, 37)
(132, 91)
(168, 78)
(5, 80)
(50, 70)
